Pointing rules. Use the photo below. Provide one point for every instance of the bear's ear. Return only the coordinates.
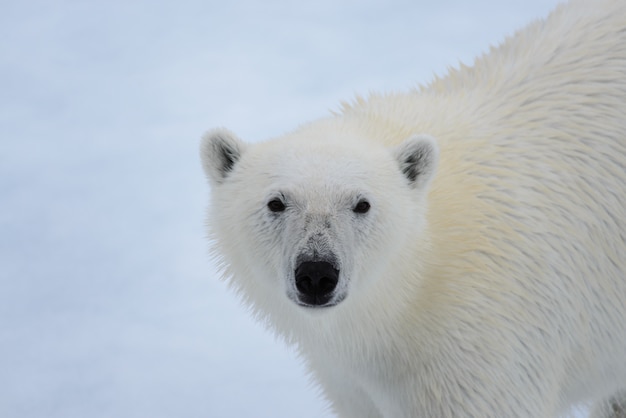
(220, 150)
(418, 157)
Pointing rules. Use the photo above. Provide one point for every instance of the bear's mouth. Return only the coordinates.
(300, 302)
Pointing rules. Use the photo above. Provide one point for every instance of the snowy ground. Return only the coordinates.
(109, 306)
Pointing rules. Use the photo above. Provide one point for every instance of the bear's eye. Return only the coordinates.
(362, 207)
(276, 205)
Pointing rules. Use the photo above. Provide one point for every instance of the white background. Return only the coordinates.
(109, 305)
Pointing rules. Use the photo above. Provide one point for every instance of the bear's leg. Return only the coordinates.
(614, 407)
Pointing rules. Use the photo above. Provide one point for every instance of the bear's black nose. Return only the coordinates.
(315, 280)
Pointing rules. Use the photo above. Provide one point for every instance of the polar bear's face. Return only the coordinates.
(313, 219)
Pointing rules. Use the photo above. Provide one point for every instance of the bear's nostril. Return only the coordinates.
(308, 285)
(327, 284)
(315, 280)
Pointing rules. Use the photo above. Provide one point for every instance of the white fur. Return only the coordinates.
(494, 283)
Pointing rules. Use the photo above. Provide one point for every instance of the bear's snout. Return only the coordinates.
(315, 281)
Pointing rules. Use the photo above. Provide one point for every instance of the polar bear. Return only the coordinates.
(454, 251)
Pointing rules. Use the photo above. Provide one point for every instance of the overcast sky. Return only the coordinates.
(109, 306)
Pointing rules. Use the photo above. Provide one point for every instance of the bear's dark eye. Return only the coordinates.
(362, 207)
(276, 205)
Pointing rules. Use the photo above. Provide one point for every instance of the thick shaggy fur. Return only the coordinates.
(488, 279)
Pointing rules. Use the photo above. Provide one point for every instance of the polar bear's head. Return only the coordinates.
(314, 216)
